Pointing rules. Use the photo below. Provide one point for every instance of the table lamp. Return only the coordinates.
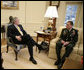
(52, 14)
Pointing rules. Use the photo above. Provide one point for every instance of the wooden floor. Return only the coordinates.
(3, 41)
(43, 61)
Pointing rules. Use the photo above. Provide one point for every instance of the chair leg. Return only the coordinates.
(7, 49)
(16, 53)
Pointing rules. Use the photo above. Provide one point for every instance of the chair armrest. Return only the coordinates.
(53, 42)
(80, 49)
(10, 41)
(16, 47)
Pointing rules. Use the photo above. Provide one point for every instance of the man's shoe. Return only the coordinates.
(57, 62)
(33, 60)
(60, 65)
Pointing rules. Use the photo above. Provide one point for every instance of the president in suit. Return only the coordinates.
(68, 39)
(19, 36)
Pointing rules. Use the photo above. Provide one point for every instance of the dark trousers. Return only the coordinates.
(27, 39)
(68, 50)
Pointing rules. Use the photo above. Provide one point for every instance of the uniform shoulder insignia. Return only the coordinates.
(65, 32)
(74, 32)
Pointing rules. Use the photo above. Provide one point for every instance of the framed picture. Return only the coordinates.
(9, 4)
(54, 3)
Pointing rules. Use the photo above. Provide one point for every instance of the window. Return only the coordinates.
(71, 11)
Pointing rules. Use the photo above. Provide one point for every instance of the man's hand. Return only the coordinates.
(18, 38)
(66, 43)
(62, 41)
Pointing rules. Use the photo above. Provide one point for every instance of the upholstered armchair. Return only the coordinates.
(80, 50)
(77, 50)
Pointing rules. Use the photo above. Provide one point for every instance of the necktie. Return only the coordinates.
(19, 30)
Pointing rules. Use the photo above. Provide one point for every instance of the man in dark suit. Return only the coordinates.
(68, 39)
(19, 36)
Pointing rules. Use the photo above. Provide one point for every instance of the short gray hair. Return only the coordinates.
(14, 19)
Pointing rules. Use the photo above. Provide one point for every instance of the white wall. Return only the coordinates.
(35, 11)
(30, 13)
(61, 14)
(20, 13)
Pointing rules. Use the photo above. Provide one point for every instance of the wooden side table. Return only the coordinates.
(45, 36)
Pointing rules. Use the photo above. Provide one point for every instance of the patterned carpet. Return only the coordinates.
(43, 61)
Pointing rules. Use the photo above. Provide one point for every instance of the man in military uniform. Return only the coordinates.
(68, 39)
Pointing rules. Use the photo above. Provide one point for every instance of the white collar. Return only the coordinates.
(15, 25)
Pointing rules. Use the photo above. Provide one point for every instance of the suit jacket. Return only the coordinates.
(12, 31)
(71, 36)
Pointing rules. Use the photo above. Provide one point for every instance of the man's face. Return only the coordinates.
(68, 25)
(17, 21)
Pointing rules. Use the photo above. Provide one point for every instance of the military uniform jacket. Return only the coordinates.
(70, 36)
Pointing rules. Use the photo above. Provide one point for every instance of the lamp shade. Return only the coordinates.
(51, 12)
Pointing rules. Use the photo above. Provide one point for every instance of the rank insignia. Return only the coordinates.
(73, 32)
(65, 32)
